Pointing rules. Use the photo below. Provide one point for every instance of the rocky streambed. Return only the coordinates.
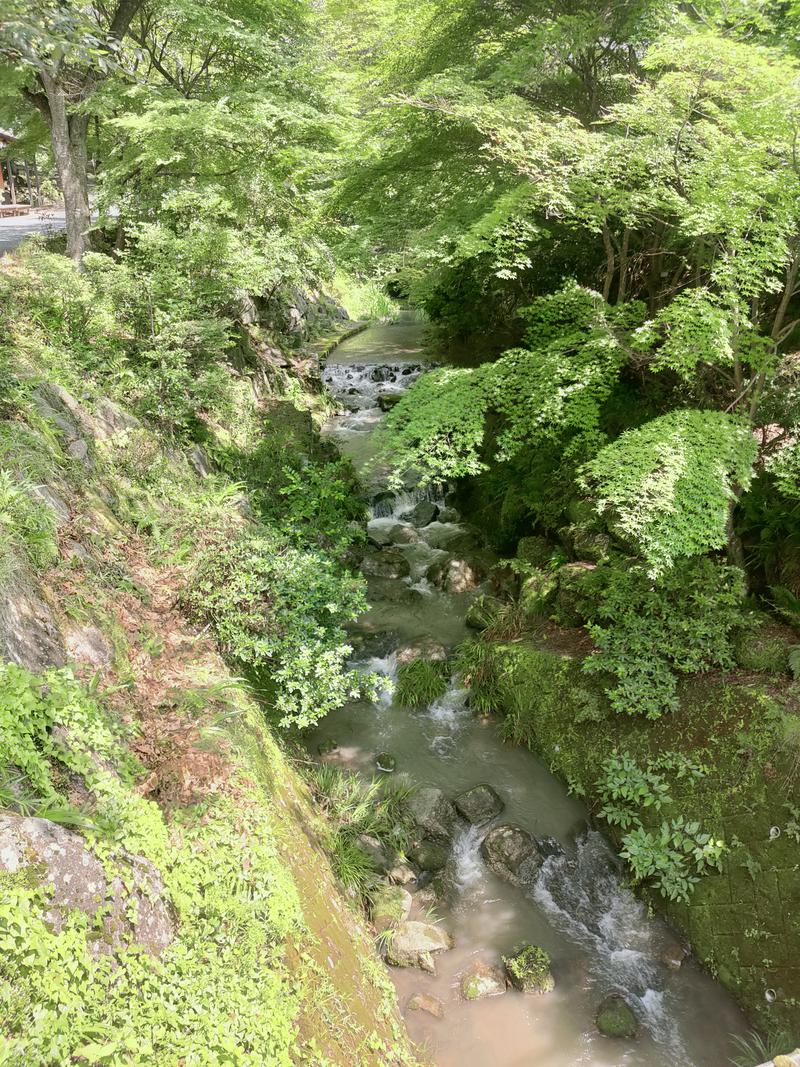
(509, 931)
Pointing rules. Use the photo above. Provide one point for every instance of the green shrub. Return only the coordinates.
(528, 969)
(27, 526)
(378, 808)
(420, 682)
(646, 630)
(279, 610)
(674, 857)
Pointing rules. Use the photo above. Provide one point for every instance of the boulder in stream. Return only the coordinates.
(422, 514)
(433, 813)
(528, 969)
(429, 855)
(427, 1003)
(390, 563)
(404, 535)
(380, 534)
(463, 575)
(391, 591)
(511, 853)
(479, 805)
(482, 980)
(391, 905)
(416, 944)
(615, 1017)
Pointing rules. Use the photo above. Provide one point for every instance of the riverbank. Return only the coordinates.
(740, 921)
(425, 568)
(165, 891)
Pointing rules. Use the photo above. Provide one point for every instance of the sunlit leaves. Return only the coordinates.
(667, 486)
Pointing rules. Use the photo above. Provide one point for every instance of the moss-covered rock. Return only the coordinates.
(429, 855)
(538, 593)
(615, 1017)
(536, 552)
(482, 980)
(591, 545)
(483, 611)
(391, 905)
(576, 597)
(528, 969)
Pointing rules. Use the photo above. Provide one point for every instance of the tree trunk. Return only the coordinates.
(622, 291)
(786, 296)
(69, 134)
(611, 261)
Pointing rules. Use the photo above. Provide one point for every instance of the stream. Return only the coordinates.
(597, 932)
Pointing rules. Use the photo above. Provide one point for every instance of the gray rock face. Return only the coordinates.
(110, 419)
(88, 645)
(512, 854)
(390, 563)
(29, 635)
(79, 881)
(52, 500)
(422, 514)
(479, 805)
(462, 576)
(416, 944)
(427, 1003)
(429, 855)
(433, 813)
(482, 980)
(200, 461)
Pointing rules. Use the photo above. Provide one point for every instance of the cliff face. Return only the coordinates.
(164, 896)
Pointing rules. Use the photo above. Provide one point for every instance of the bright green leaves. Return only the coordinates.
(646, 630)
(554, 386)
(279, 611)
(667, 486)
(437, 429)
(693, 328)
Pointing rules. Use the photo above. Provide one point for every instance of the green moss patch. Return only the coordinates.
(721, 760)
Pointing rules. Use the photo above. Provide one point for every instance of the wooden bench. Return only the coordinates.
(7, 210)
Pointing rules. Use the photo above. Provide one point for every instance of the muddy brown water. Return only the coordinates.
(579, 909)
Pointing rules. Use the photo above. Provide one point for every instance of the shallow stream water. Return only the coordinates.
(598, 934)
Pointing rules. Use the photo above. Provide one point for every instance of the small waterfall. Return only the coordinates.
(584, 897)
(357, 385)
(468, 868)
(397, 504)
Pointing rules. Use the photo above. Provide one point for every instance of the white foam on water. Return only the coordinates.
(584, 897)
(449, 709)
(468, 868)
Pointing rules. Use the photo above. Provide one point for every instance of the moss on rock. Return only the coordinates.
(528, 969)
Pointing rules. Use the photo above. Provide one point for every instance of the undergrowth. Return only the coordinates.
(420, 682)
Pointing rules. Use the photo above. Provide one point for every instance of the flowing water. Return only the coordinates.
(598, 934)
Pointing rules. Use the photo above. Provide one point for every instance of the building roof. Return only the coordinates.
(6, 136)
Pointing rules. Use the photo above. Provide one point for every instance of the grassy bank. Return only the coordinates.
(716, 761)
